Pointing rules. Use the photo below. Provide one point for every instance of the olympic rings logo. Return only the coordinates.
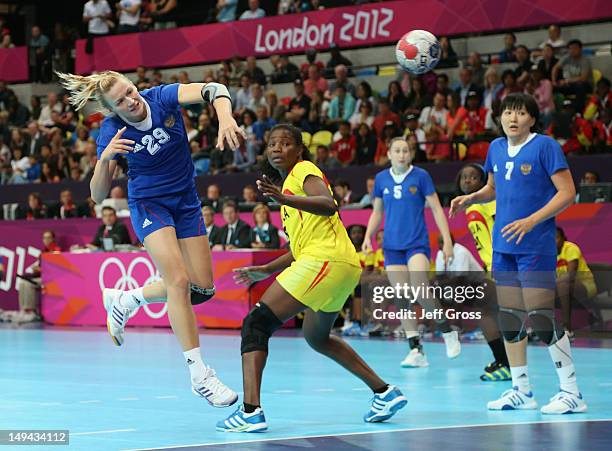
(128, 282)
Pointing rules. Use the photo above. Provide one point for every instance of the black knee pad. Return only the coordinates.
(512, 324)
(200, 295)
(545, 326)
(257, 328)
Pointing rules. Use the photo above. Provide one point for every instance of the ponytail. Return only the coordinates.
(92, 87)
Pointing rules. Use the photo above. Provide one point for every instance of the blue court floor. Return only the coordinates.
(138, 396)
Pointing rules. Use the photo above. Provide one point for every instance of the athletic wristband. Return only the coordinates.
(213, 91)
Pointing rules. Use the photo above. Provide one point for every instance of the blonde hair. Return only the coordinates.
(92, 87)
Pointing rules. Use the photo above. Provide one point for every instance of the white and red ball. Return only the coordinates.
(418, 51)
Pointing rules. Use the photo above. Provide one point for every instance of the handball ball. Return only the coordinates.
(418, 51)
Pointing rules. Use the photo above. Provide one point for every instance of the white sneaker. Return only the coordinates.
(565, 402)
(116, 315)
(513, 399)
(213, 390)
(453, 345)
(415, 359)
(25, 317)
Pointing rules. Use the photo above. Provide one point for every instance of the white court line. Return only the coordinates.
(89, 401)
(166, 397)
(324, 389)
(606, 384)
(283, 391)
(361, 389)
(112, 431)
(442, 387)
(432, 428)
(50, 403)
(129, 399)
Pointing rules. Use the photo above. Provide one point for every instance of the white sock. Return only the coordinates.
(561, 354)
(132, 298)
(520, 378)
(195, 364)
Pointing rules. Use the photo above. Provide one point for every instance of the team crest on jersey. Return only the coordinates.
(170, 121)
(413, 189)
(525, 168)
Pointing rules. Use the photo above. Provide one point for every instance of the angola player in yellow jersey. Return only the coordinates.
(574, 278)
(480, 219)
(317, 276)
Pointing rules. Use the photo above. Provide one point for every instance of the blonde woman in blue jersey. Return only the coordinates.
(147, 129)
(530, 179)
(401, 193)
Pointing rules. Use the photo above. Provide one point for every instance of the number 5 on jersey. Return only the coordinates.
(153, 143)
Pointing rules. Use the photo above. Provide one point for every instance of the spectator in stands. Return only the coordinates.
(33, 172)
(411, 127)
(572, 75)
(257, 97)
(163, 13)
(548, 61)
(434, 115)
(117, 192)
(479, 126)
(220, 161)
(437, 147)
(507, 55)
(111, 232)
(442, 84)
(213, 197)
(384, 116)
(455, 118)
(600, 101)
(554, 41)
(29, 283)
(509, 85)
(575, 281)
(129, 15)
(44, 119)
(343, 193)
(249, 196)
(66, 208)
(324, 160)
(492, 87)
(336, 59)
(18, 113)
(254, 72)
(212, 231)
(523, 61)
(588, 178)
(543, 94)
(40, 62)
(602, 131)
(245, 156)
(314, 81)
(418, 98)
(345, 147)
(364, 115)
(571, 131)
(36, 209)
(243, 96)
(284, 70)
(19, 165)
(264, 235)
(97, 15)
(142, 80)
(207, 134)
(396, 97)
(318, 116)
(364, 94)
(311, 58)
(389, 131)
(342, 74)
(254, 11)
(35, 107)
(448, 57)
(341, 107)
(235, 233)
(18, 141)
(365, 143)
(474, 62)
(6, 42)
(261, 125)
(368, 199)
(276, 110)
(299, 106)
(226, 10)
(466, 84)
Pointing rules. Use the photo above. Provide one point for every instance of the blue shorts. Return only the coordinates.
(401, 257)
(524, 270)
(181, 211)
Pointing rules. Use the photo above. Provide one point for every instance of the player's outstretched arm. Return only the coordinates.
(373, 224)
(250, 274)
(317, 201)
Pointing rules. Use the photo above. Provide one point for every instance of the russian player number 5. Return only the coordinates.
(397, 191)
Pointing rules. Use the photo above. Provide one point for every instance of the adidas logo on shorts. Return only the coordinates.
(146, 223)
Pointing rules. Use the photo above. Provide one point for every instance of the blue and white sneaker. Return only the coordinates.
(240, 421)
(213, 390)
(116, 315)
(565, 402)
(385, 405)
(513, 399)
(354, 330)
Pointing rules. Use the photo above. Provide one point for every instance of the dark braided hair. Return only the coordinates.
(296, 134)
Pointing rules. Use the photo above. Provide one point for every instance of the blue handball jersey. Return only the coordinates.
(523, 185)
(160, 163)
(404, 201)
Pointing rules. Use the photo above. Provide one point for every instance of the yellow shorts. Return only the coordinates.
(320, 285)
